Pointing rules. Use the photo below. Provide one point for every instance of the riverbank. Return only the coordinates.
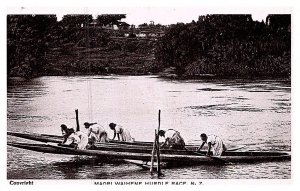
(216, 46)
(99, 61)
(123, 56)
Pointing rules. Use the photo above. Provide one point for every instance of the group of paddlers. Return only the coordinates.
(96, 133)
(173, 140)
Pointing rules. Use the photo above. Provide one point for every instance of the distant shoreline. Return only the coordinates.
(213, 47)
(157, 75)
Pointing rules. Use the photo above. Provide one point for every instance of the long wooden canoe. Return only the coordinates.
(173, 157)
(137, 146)
(58, 139)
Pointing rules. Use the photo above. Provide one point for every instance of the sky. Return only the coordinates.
(161, 15)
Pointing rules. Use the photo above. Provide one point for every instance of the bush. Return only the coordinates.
(227, 46)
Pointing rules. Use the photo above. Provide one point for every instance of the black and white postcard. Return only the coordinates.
(144, 96)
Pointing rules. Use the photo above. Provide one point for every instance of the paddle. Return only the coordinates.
(144, 166)
(212, 157)
(238, 148)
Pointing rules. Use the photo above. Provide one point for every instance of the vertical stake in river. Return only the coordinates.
(157, 145)
(77, 120)
(153, 152)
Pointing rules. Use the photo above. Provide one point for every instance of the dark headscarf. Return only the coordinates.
(161, 133)
(112, 125)
(63, 127)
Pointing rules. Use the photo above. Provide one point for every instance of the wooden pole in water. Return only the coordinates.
(157, 145)
(153, 153)
(77, 120)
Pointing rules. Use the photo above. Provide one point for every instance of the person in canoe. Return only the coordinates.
(215, 144)
(96, 133)
(173, 139)
(77, 139)
(66, 132)
(121, 133)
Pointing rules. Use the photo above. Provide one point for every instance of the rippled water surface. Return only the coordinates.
(255, 113)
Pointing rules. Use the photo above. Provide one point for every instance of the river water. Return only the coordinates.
(255, 113)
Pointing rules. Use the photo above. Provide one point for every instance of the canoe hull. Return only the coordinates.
(58, 139)
(136, 146)
(234, 157)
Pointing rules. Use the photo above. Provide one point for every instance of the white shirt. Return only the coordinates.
(72, 138)
(169, 133)
(211, 139)
(97, 129)
(118, 129)
(81, 135)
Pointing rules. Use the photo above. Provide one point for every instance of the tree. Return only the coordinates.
(144, 25)
(77, 20)
(110, 19)
(282, 21)
(228, 46)
(124, 25)
(27, 42)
